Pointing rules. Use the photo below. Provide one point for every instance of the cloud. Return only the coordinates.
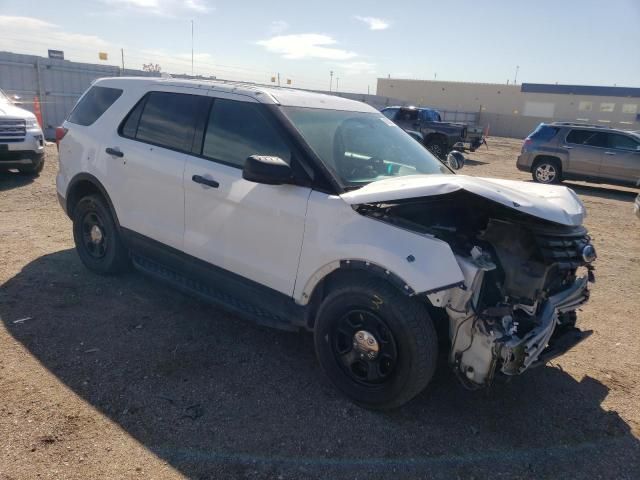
(35, 36)
(357, 68)
(374, 23)
(165, 8)
(277, 27)
(306, 45)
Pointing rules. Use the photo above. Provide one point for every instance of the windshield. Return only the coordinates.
(362, 147)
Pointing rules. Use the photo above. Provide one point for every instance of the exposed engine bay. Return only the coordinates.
(524, 277)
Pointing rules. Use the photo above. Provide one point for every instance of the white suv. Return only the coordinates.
(21, 139)
(303, 210)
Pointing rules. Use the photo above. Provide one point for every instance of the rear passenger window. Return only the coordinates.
(578, 136)
(592, 138)
(93, 104)
(597, 139)
(166, 119)
(238, 130)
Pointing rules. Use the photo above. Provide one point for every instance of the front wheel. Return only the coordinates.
(377, 346)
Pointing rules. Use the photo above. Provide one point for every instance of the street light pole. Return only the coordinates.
(192, 48)
(515, 79)
(330, 79)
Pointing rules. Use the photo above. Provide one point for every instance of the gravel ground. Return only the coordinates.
(125, 378)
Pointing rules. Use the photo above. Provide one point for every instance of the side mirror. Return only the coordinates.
(266, 170)
(455, 160)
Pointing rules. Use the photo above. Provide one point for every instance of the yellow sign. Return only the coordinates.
(102, 55)
(288, 81)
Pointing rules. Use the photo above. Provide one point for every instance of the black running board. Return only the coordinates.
(289, 316)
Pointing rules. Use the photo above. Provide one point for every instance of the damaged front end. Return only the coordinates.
(524, 278)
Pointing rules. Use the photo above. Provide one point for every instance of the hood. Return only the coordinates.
(10, 110)
(549, 202)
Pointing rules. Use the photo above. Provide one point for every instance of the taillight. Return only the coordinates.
(527, 142)
(60, 133)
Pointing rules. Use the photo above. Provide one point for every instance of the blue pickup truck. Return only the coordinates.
(426, 125)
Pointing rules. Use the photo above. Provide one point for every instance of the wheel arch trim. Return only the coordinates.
(364, 266)
(82, 178)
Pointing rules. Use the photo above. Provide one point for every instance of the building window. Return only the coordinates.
(585, 106)
(607, 107)
(630, 108)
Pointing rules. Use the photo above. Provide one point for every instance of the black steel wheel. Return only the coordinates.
(364, 345)
(377, 345)
(438, 148)
(96, 236)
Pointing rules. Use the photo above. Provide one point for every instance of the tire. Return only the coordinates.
(96, 236)
(33, 169)
(546, 171)
(402, 331)
(437, 147)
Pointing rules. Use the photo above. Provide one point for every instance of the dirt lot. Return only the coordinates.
(124, 378)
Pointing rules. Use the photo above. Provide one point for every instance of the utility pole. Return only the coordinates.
(515, 79)
(368, 90)
(278, 78)
(337, 84)
(330, 79)
(192, 48)
(122, 54)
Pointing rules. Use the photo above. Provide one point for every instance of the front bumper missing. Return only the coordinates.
(537, 346)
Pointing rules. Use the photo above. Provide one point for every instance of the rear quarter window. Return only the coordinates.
(544, 133)
(93, 104)
(167, 119)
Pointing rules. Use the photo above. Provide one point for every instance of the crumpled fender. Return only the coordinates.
(336, 233)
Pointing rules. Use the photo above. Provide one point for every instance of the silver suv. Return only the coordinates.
(569, 151)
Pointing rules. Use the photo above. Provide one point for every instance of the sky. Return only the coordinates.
(587, 42)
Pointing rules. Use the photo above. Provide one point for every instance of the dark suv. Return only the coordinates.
(568, 151)
(426, 126)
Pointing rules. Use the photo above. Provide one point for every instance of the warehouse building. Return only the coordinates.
(515, 110)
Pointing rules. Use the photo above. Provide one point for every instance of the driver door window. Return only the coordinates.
(237, 130)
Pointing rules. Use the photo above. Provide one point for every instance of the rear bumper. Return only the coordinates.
(524, 162)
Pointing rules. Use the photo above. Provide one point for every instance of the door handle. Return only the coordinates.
(567, 147)
(609, 153)
(205, 181)
(114, 152)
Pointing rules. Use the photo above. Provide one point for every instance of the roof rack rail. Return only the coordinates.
(578, 124)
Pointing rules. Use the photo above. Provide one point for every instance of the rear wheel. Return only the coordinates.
(546, 170)
(376, 345)
(438, 147)
(96, 236)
